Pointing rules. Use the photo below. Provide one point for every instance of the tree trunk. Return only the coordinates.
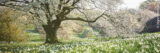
(51, 31)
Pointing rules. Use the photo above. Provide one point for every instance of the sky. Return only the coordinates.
(132, 3)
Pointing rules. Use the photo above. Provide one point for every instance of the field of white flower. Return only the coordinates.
(147, 43)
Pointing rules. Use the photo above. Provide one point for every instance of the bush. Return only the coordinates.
(10, 27)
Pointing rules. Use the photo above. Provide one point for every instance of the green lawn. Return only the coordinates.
(147, 43)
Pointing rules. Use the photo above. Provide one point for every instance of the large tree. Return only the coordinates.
(57, 11)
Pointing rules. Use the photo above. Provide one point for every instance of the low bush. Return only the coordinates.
(10, 27)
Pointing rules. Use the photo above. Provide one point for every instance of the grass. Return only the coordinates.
(35, 37)
(147, 43)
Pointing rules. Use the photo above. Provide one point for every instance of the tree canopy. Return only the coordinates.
(51, 13)
(152, 5)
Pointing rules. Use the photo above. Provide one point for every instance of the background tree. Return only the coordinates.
(152, 5)
(146, 4)
(51, 13)
(155, 7)
(132, 22)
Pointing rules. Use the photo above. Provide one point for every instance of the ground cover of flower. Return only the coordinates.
(146, 43)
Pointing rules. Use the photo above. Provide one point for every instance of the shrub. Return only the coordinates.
(10, 27)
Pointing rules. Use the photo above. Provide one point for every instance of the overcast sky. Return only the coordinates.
(132, 3)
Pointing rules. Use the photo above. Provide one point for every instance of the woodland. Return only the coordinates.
(79, 26)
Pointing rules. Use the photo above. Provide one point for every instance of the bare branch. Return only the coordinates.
(21, 6)
(81, 19)
(2, 4)
(67, 1)
(82, 13)
(65, 9)
(74, 2)
(94, 3)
